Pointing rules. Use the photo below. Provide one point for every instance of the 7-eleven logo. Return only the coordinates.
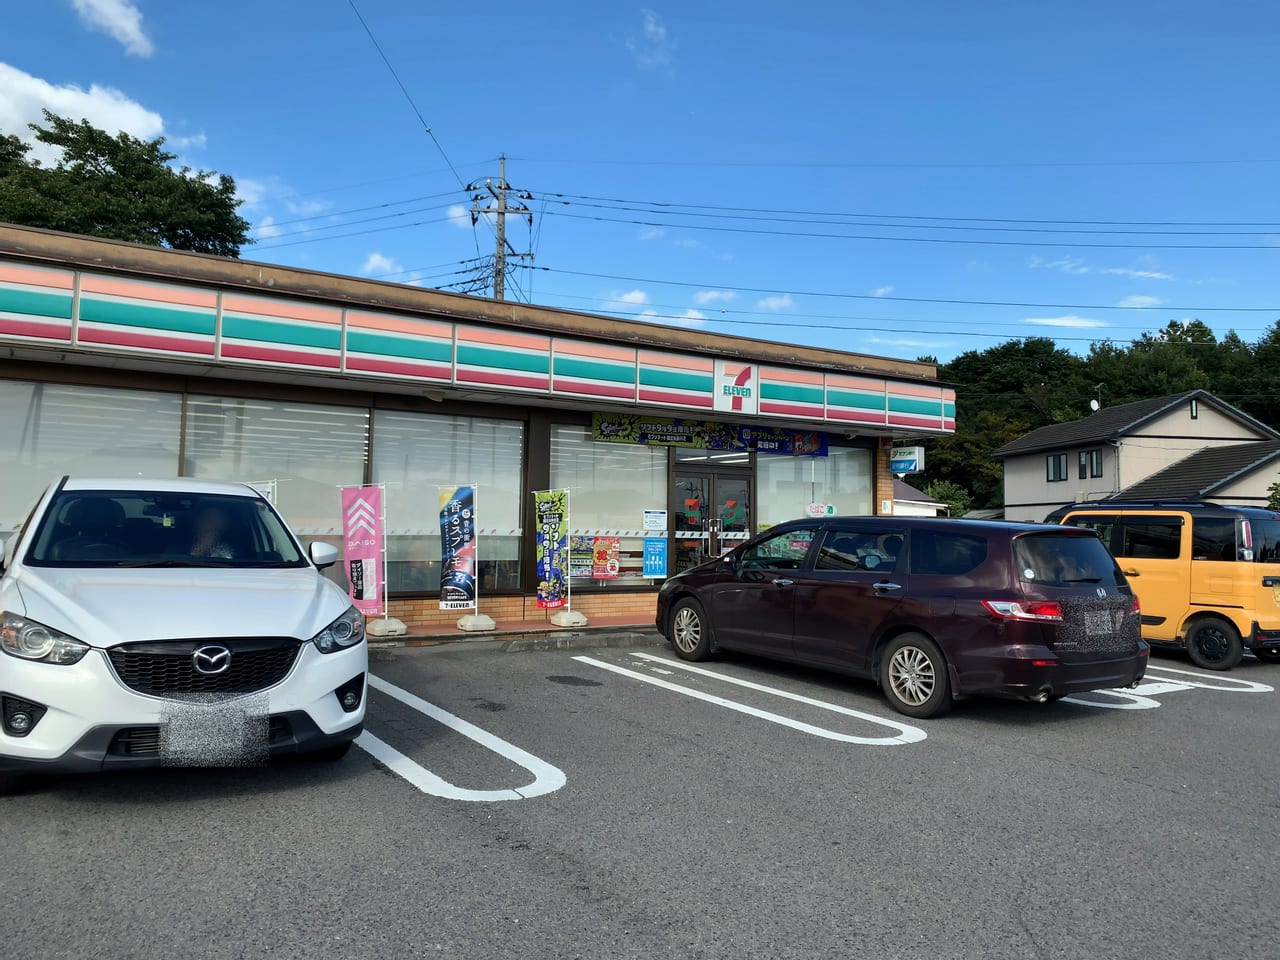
(736, 387)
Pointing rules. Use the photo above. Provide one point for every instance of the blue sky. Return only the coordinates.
(888, 177)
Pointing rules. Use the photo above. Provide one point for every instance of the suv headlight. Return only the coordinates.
(30, 640)
(346, 631)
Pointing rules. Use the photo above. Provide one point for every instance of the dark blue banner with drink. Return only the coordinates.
(458, 566)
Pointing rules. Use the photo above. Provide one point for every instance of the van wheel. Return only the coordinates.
(690, 634)
(913, 674)
(1214, 644)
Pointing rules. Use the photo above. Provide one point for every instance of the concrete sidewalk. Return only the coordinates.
(538, 634)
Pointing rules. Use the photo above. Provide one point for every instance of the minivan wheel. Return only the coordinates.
(1214, 644)
(689, 633)
(914, 676)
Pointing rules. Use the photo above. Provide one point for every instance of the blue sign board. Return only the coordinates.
(905, 465)
(655, 556)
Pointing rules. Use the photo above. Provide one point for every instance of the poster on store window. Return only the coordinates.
(606, 559)
(551, 510)
(458, 546)
(582, 555)
(362, 542)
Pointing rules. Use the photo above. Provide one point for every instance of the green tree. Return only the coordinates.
(956, 497)
(118, 187)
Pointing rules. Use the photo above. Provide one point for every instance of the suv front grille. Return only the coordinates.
(168, 668)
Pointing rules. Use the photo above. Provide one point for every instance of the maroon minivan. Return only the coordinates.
(933, 609)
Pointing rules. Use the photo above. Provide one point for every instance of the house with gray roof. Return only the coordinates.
(1116, 449)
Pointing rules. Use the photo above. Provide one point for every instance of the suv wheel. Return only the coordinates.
(689, 632)
(1214, 644)
(914, 676)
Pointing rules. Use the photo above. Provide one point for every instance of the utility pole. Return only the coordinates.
(495, 196)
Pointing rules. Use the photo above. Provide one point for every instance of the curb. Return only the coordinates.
(525, 643)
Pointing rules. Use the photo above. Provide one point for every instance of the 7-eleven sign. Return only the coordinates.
(737, 387)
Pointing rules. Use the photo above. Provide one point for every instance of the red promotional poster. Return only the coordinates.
(362, 544)
(605, 559)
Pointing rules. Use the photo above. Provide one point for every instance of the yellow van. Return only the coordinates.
(1207, 575)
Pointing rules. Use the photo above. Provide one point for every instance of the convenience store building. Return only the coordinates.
(124, 359)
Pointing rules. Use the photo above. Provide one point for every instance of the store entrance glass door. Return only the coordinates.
(712, 514)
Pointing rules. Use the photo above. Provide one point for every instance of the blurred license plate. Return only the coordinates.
(1097, 622)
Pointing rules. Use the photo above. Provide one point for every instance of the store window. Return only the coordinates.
(305, 451)
(54, 429)
(417, 454)
(787, 485)
(610, 486)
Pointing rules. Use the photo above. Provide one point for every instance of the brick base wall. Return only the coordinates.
(426, 612)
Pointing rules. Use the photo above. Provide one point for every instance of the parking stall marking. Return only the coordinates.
(906, 733)
(1140, 697)
(546, 778)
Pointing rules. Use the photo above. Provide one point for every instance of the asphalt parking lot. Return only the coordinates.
(616, 803)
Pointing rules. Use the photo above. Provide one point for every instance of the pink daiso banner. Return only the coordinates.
(362, 543)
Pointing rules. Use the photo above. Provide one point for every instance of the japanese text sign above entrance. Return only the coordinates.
(737, 387)
(706, 435)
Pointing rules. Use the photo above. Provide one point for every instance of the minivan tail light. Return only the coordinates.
(1246, 534)
(1136, 606)
(1041, 610)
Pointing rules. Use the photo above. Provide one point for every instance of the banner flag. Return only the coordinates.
(458, 567)
(551, 509)
(362, 539)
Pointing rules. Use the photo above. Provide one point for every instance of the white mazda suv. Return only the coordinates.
(174, 622)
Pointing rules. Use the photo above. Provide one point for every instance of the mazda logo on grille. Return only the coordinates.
(213, 658)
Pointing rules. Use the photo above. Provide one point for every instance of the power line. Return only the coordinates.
(892, 299)
(906, 165)
(883, 239)
(822, 218)
(905, 216)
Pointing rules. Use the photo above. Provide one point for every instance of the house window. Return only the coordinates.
(1084, 464)
(1095, 463)
(1195, 409)
(1056, 467)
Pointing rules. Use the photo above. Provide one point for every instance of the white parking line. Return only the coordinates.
(1232, 684)
(546, 778)
(906, 733)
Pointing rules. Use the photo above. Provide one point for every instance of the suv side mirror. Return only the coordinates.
(4, 552)
(323, 554)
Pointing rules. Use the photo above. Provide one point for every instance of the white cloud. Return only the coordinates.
(651, 47)
(651, 233)
(22, 97)
(118, 18)
(250, 192)
(692, 318)
(625, 301)
(300, 207)
(1140, 301)
(901, 342)
(459, 216)
(196, 141)
(686, 242)
(377, 264)
(1066, 321)
(704, 297)
(783, 302)
(267, 229)
(882, 291)
(1133, 274)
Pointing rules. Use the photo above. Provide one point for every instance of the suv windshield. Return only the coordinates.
(101, 528)
(1056, 561)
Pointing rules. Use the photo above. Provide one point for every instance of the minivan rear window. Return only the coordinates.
(1064, 561)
